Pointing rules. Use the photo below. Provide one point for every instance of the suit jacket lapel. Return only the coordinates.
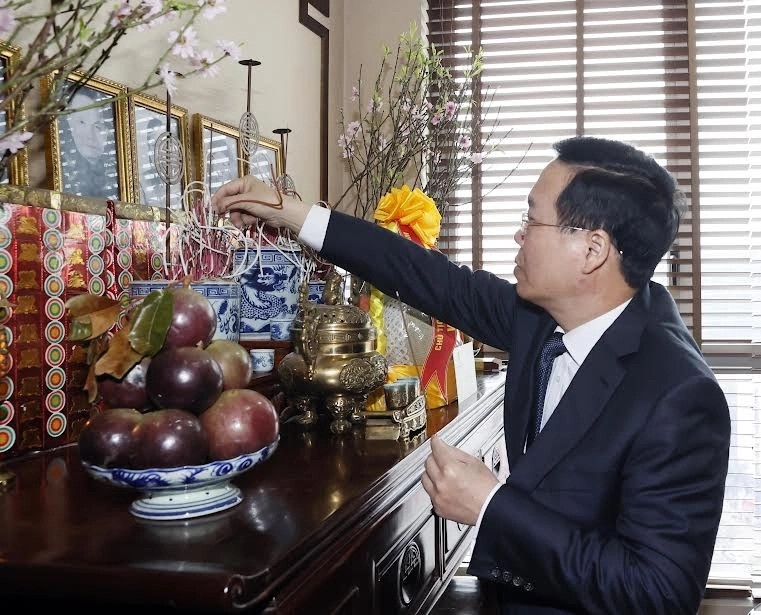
(584, 399)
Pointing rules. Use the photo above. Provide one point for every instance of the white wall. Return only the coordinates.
(286, 87)
(368, 26)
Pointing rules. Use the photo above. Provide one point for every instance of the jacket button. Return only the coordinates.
(528, 586)
(495, 573)
(517, 581)
(507, 576)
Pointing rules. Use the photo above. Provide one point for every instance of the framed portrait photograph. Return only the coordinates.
(266, 162)
(218, 152)
(88, 151)
(154, 157)
(18, 170)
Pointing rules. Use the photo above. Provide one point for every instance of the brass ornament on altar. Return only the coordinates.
(334, 365)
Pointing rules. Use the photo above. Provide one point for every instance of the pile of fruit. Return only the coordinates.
(173, 396)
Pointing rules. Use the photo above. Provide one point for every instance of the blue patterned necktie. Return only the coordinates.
(553, 347)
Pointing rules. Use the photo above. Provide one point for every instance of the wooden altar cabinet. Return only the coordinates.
(327, 525)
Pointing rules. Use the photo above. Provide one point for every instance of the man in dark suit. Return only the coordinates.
(617, 479)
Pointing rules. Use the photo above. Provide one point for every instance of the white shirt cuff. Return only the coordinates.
(315, 226)
(486, 503)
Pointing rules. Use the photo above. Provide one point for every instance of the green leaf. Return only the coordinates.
(80, 329)
(151, 323)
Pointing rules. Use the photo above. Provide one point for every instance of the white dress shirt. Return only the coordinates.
(315, 226)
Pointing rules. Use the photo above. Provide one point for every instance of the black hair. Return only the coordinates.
(625, 192)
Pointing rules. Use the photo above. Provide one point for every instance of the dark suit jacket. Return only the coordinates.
(616, 506)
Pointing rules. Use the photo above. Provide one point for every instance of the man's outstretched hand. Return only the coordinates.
(247, 200)
(457, 483)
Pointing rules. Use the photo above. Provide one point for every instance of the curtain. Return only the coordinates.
(680, 79)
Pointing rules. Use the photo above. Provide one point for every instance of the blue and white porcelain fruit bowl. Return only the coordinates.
(183, 492)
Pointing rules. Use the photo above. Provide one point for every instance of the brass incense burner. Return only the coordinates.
(334, 365)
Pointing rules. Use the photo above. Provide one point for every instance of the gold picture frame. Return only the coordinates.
(18, 169)
(147, 119)
(88, 152)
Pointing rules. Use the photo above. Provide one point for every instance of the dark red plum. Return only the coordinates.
(188, 378)
(240, 421)
(107, 439)
(169, 438)
(129, 392)
(235, 362)
(194, 321)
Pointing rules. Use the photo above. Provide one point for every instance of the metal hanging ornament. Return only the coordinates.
(248, 127)
(168, 158)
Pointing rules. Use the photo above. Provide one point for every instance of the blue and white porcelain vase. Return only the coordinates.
(269, 288)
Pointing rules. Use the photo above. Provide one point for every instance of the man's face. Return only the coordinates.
(549, 260)
(87, 128)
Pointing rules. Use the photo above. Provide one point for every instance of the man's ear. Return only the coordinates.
(598, 247)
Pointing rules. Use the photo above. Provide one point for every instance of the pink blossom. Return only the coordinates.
(229, 48)
(212, 8)
(120, 14)
(464, 142)
(346, 146)
(14, 142)
(7, 21)
(152, 8)
(374, 105)
(354, 93)
(449, 109)
(476, 157)
(353, 129)
(169, 77)
(205, 61)
(184, 43)
(436, 119)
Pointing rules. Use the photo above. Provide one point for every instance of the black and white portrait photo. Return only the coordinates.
(89, 162)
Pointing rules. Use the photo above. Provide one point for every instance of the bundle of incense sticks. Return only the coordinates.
(202, 242)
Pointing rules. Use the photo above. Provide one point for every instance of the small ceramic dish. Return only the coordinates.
(183, 492)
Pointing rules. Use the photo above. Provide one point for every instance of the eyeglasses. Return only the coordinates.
(526, 222)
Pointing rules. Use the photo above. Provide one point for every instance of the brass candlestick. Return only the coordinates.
(284, 182)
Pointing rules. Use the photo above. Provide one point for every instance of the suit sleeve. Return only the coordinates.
(478, 303)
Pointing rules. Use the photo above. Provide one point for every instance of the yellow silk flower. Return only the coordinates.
(413, 208)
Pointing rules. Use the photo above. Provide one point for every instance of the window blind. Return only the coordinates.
(680, 79)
